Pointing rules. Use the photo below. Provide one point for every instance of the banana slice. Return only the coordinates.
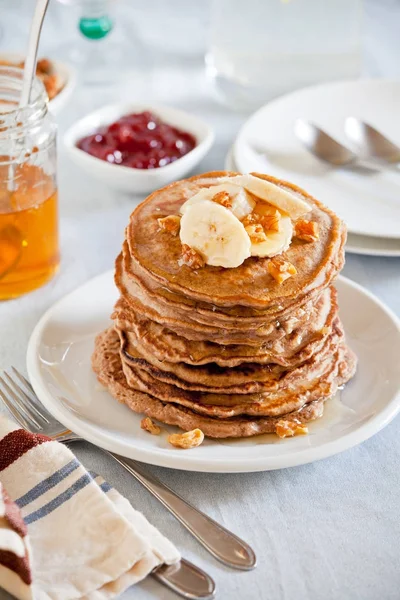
(285, 201)
(276, 242)
(242, 202)
(216, 233)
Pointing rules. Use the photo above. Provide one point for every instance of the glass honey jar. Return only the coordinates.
(29, 252)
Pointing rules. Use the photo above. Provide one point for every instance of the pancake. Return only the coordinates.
(151, 339)
(318, 315)
(159, 254)
(166, 302)
(227, 350)
(106, 364)
(164, 306)
(247, 378)
(314, 381)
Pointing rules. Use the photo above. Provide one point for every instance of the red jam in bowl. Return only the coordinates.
(140, 141)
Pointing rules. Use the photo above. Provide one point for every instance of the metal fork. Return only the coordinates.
(221, 543)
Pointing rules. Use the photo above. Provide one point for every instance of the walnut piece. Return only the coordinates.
(281, 269)
(191, 257)
(148, 425)
(268, 216)
(270, 222)
(223, 198)
(286, 428)
(190, 439)
(170, 224)
(45, 66)
(256, 233)
(306, 230)
(52, 85)
(250, 219)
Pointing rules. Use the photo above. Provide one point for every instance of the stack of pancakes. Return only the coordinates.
(229, 351)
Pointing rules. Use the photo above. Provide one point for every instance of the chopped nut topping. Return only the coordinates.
(270, 222)
(190, 439)
(170, 224)
(268, 216)
(286, 428)
(306, 230)
(52, 84)
(281, 269)
(44, 66)
(223, 198)
(325, 330)
(250, 219)
(256, 233)
(191, 257)
(148, 425)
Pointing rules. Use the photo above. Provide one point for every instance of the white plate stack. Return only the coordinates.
(369, 203)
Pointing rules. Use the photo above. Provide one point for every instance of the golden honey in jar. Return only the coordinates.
(29, 252)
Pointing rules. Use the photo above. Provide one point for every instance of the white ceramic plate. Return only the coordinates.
(370, 204)
(138, 180)
(59, 368)
(356, 244)
(66, 74)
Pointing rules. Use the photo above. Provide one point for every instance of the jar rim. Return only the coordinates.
(11, 115)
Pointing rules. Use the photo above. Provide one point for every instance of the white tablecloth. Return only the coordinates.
(328, 530)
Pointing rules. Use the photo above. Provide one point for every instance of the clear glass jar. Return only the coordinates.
(260, 49)
(29, 252)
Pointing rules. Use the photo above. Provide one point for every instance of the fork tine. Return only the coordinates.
(15, 413)
(47, 416)
(33, 397)
(25, 399)
(19, 405)
(24, 380)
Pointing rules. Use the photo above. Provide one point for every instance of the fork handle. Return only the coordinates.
(186, 579)
(220, 542)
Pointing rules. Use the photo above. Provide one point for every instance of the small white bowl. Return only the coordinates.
(128, 179)
(66, 74)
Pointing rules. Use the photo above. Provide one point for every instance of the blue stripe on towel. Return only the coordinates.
(59, 500)
(48, 483)
(106, 487)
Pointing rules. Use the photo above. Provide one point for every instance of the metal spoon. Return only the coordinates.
(372, 142)
(31, 55)
(29, 73)
(326, 148)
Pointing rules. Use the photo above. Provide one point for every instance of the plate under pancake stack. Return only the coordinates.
(229, 351)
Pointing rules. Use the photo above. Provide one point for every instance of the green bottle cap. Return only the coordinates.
(97, 28)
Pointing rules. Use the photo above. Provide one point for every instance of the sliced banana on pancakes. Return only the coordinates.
(242, 203)
(282, 199)
(216, 233)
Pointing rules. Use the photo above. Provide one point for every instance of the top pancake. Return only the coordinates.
(158, 253)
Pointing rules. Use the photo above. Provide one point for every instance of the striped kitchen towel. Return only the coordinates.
(84, 539)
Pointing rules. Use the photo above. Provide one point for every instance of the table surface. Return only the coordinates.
(325, 530)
